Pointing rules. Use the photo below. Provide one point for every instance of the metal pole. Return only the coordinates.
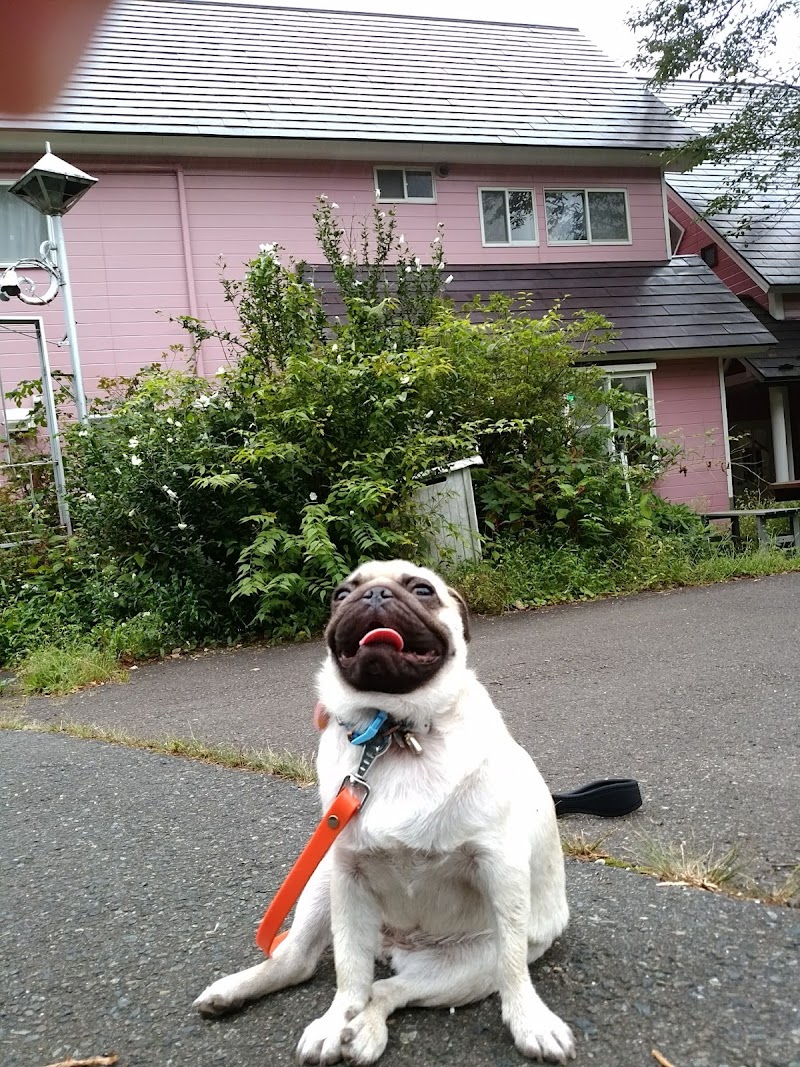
(69, 315)
(52, 429)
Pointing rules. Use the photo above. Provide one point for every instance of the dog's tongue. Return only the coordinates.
(383, 635)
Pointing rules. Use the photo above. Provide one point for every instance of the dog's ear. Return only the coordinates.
(463, 609)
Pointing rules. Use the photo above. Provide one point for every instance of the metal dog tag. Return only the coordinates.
(411, 742)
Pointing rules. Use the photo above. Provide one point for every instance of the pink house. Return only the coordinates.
(755, 250)
(541, 158)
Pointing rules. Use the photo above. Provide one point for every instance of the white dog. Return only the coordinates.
(453, 870)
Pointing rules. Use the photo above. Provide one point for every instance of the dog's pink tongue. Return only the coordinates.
(383, 635)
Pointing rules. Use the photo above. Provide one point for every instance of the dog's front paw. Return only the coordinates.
(364, 1038)
(221, 997)
(543, 1036)
(322, 1040)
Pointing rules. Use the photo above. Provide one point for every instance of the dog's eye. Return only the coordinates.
(341, 594)
(423, 590)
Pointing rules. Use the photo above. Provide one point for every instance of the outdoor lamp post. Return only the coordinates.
(53, 187)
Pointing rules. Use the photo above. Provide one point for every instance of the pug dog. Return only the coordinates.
(453, 871)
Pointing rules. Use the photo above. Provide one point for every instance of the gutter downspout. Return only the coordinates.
(188, 259)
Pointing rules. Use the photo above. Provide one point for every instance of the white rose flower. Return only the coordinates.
(312, 496)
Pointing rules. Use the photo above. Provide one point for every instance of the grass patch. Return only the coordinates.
(55, 671)
(532, 574)
(711, 870)
(673, 864)
(284, 765)
(582, 847)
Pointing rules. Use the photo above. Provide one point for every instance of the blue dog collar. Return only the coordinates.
(371, 731)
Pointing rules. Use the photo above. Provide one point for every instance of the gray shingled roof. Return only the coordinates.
(772, 243)
(228, 69)
(783, 362)
(679, 306)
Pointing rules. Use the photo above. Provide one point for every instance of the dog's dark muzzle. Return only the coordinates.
(384, 640)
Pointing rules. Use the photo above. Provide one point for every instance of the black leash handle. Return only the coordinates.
(608, 799)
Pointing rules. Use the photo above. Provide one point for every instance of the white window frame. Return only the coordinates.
(625, 370)
(406, 199)
(6, 183)
(586, 190)
(674, 222)
(508, 189)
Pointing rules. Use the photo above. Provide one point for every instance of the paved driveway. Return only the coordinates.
(129, 880)
(695, 692)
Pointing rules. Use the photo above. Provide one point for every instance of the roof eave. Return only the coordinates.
(721, 351)
(258, 146)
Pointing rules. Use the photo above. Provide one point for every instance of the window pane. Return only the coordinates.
(608, 217)
(566, 215)
(520, 209)
(419, 184)
(22, 229)
(390, 184)
(631, 383)
(495, 228)
(675, 236)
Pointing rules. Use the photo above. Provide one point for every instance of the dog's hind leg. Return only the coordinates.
(425, 978)
(295, 959)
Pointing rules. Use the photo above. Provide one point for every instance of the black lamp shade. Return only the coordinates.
(52, 186)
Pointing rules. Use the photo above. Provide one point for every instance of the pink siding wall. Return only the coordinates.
(128, 277)
(727, 269)
(131, 272)
(689, 413)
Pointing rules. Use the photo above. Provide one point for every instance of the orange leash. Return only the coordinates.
(338, 815)
(350, 799)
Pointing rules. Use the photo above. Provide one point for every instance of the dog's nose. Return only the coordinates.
(377, 595)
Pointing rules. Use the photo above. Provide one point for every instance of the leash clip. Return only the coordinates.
(371, 751)
(355, 782)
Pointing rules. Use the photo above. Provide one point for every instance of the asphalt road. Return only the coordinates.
(129, 880)
(694, 692)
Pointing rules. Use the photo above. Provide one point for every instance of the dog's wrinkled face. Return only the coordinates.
(394, 626)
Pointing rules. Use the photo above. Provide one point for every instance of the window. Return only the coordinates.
(591, 216)
(676, 232)
(508, 216)
(22, 229)
(637, 409)
(708, 254)
(401, 183)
